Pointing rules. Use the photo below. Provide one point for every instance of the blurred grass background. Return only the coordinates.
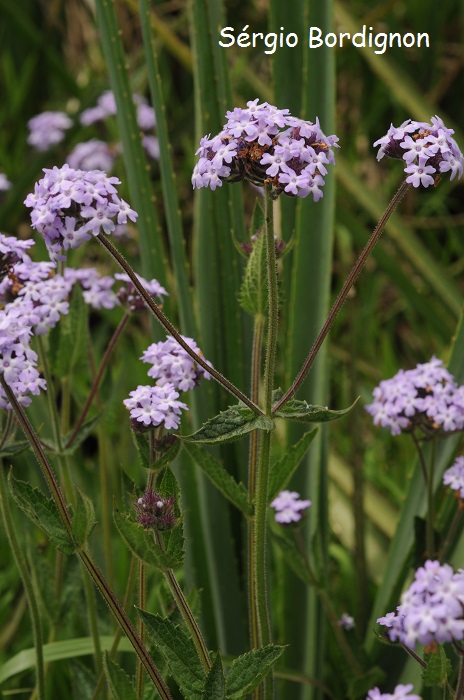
(405, 306)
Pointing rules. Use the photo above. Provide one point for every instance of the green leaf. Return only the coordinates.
(142, 447)
(141, 542)
(83, 520)
(229, 425)
(85, 430)
(215, 686)
(119, 682)
(179, 652)
(253, 292)
(438, 668)
(293, 557)
(71, 347)
(167, 458)
(281, 472)
(248, 670)
(42, 511)
(217, 473)
(302, 412)
(14, 448)
(173, 539)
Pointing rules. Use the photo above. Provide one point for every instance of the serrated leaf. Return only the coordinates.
(247, 671)
(253, 292)
(438, 668)
(303, 412)
(167, 458)
(359, 687)
(235, 492)
(83, 520)
(143, 545)
(281, 472)
(169, 485)
(229, 425)
(179, 652)
(119, 682)
(142, 447)
(173, 539)
(215, 686)
(42, 511)
(14, 448)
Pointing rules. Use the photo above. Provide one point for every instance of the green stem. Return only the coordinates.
(259, 553)
(186, 612)
(351, 279)
(166, 323)
(27, 583)
(83, 554)
(460, 684)
(451, 532)
(252, 468)
(428, 480)
(96, 382)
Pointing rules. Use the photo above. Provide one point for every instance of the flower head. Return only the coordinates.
(170, 363)
(154, 511)
(401, 692)
(266, 145)
(454, 477)
(47, 129)
(92, 155)
(289, 507)
(426, 398)
(431, 609)
(347, 621)
(427, 149)
(69, 206)
(128, 294)
(151, 406)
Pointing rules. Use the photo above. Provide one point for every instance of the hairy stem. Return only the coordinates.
(351, 279)
(166, 323)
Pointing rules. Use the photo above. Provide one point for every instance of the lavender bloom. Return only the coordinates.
(69, 206)
(97, 289)
(92, 155)
(427, 149)
(127, 293)
(401, 692)
(17, 359)
(12, 251)
(172, 365)
(154, 511)
(454, 477)
(266, 145)
(426, 398)
(151, 406)
(5, 184)
(288, 507)
(47, 129)
(346, 621)
(106, 107)
(151, 146)
(48, 300)
(431, 609)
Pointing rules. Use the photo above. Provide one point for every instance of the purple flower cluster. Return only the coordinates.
(129, 296)
(427, 149)
(431, 609)
(171, 364)
(289, 507)
(266, 145)
(92, 155)
(401, 692)
(47, 129)
(5, 184)
(426, 398)
(454, 477)
(17, 360)
(151, 406)
(69, 206)
(155, 511)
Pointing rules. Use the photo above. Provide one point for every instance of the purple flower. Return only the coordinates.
(426, 398)
(69, 206)
(154, 511)
(92, 155)
(151, 146)
(265, 145)
(127, 293)
(401, 692)
(346, 621)
(5, 184)
(427, 149)
(431, 609)
(151, 406)
(288, 507)
(171, 364)
(47, 129)
(454, 477)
